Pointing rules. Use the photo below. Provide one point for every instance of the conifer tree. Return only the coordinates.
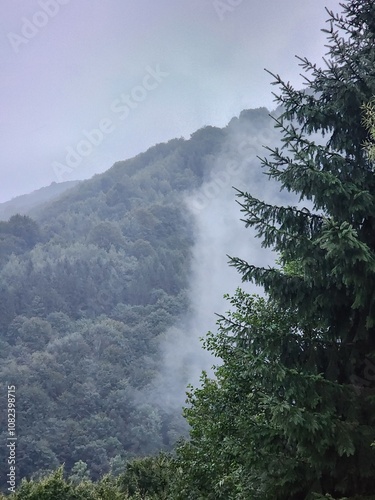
(309, 396)
(333, 242)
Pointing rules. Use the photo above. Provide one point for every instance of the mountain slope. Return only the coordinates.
(87, 294)
(25, 204)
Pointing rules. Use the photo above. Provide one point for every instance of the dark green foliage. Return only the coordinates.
(105, 235)
(25, 228)
(148, 477)
(143, 479)
(55, 487)
(292, 413)
(271, 425)
(17, 236)
(333, 242)
(87, 292)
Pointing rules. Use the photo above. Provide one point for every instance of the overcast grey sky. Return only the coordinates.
(85, 83)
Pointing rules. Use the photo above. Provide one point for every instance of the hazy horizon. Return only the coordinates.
(88, 84)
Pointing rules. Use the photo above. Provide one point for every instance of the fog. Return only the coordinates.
(219, 232)
(76, 84)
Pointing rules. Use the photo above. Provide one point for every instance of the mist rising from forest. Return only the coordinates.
(219, 232)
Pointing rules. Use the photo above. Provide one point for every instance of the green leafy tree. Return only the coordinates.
(35, 333)
(55, 487)
(25, 228)
(148, 478)
(79, 472)
(295, 410)
(259, 429)
(106, 234)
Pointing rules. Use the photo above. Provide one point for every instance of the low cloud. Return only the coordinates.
(218, 232)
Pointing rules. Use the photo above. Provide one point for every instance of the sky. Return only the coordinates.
(85, 83)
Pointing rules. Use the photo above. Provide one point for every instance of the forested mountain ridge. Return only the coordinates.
(88, 287)
(288, 410)
(25, 203)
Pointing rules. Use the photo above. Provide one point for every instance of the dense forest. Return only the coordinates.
(91, 283)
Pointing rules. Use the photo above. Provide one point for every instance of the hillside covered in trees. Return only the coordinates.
(89, 286)
(289, 412)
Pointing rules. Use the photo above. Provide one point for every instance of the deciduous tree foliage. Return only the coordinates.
(87, 291)
(292, 414)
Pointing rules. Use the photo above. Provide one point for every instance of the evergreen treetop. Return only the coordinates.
(334, 241)
(298, 372)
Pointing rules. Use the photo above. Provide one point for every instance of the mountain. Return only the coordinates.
(91, 287)
(25, 204)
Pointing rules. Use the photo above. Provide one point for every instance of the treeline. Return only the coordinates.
(88, 288)
(290, 411)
